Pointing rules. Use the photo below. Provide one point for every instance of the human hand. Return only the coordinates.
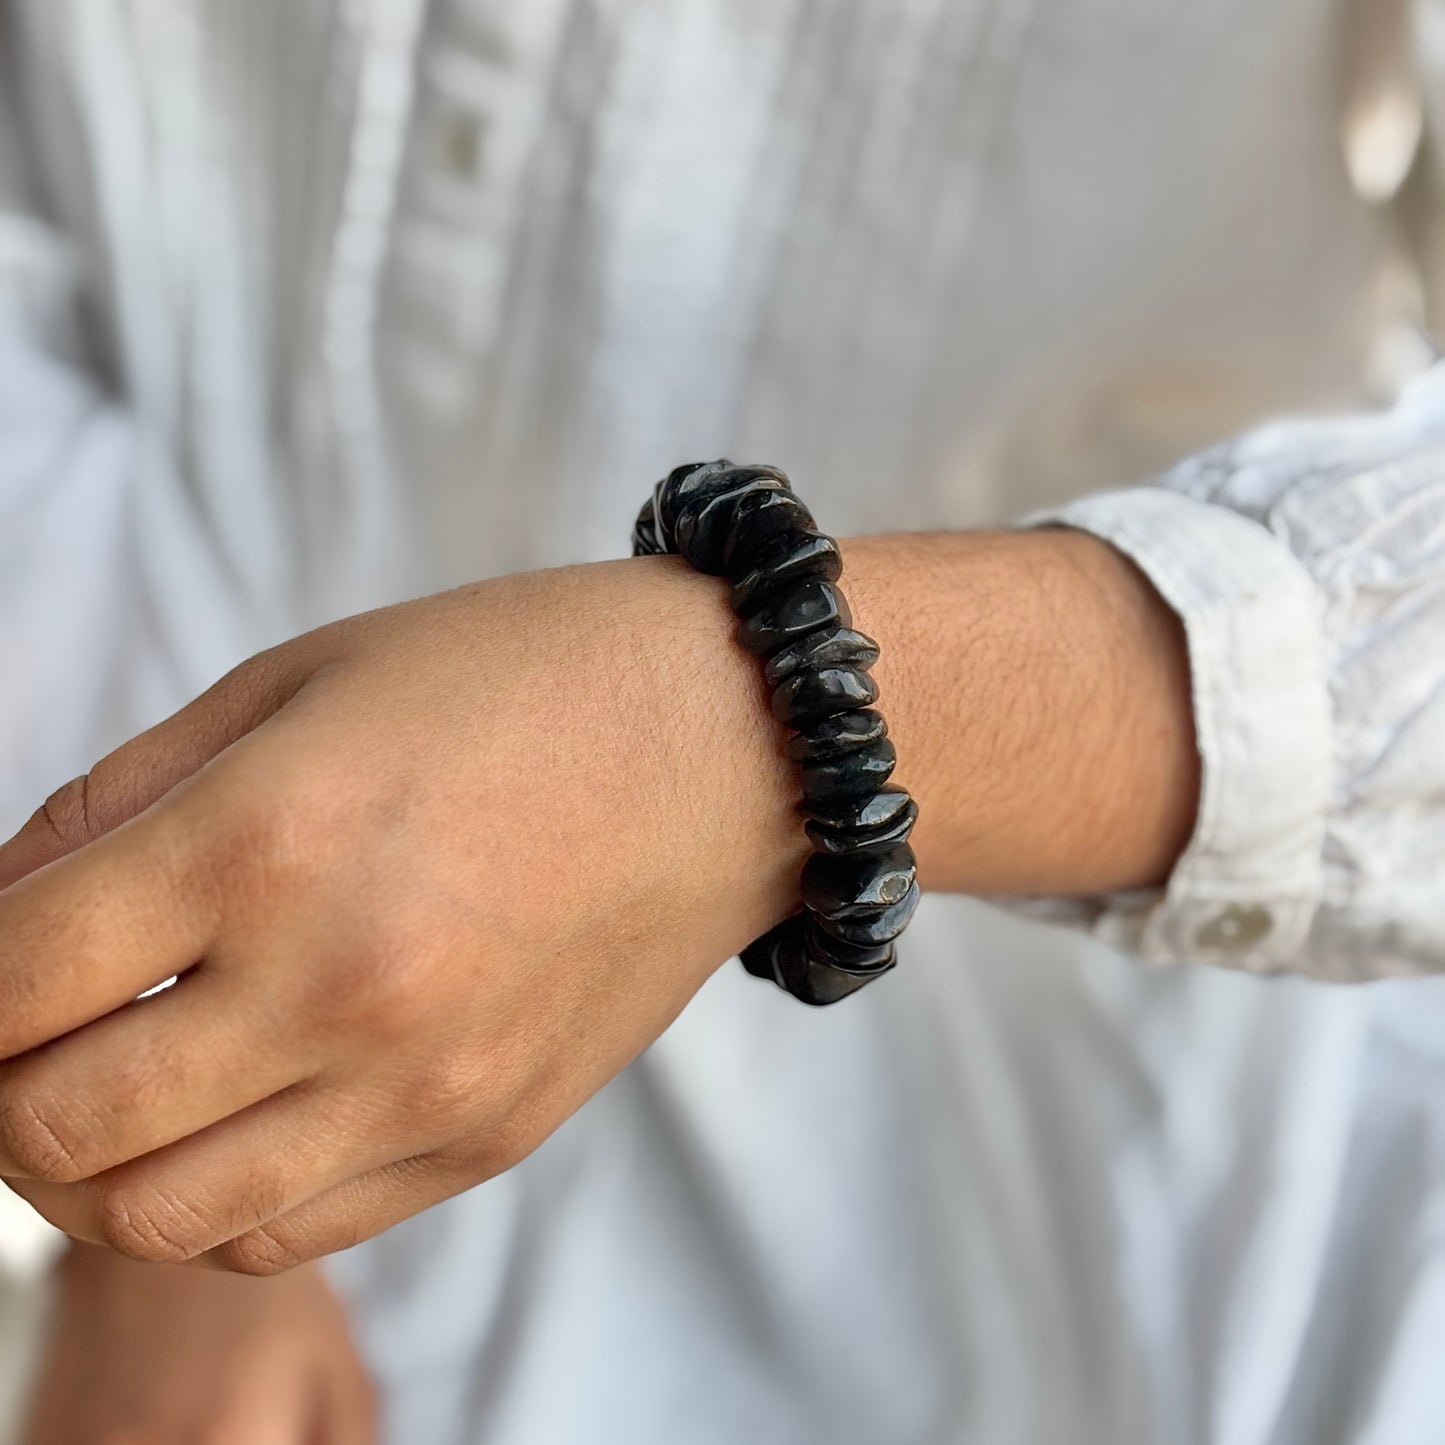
(165, 1356)
(430, 877)
(435, 874)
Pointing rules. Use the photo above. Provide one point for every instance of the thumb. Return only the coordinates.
(142, 771)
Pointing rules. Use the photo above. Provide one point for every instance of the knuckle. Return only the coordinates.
(500, 1143)
(151, 1226)
(256, 824)
(379, 989)
(66, 815)
(261, 1253)
(40, 1144)
(444, 1091)
(265, 850)
(506, 1145)
(252, 690)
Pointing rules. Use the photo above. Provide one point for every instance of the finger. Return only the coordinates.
(145, 1076)
(345, 1215)
(274, 1415)
(236, 1176)
(89, 933)
(346, 1405)
(271, 1403)
(126, 782)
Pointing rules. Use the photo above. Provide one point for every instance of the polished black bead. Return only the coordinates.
(759, 521)
(686, 485)
(822, 649)
(793, 957)
(825, 984)
(859, 814)
(681, 485)
(849, 840)
(758, 957)
(704, 524)
(802, 609)
(844, 885)
(806, 698)
(781, 955)
(873, 925)
(791, 558)
(853, 775)
(834, 736)
(868, 959)
(645, 541)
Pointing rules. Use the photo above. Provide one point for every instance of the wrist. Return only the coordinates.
(1037, 690)
(721, 751)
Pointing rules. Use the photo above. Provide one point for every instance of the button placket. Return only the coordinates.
(478, 119)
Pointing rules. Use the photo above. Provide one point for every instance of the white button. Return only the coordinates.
(461, 146)
(1238, 927)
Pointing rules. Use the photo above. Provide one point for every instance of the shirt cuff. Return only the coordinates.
(1245, 890)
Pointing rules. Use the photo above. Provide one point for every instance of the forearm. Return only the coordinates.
(1036, 688)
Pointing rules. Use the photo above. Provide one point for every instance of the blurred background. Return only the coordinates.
(305, 307)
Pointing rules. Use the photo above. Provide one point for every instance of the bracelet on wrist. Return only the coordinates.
(860, 886)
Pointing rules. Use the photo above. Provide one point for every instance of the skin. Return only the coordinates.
(159, 1355)
(433, 875)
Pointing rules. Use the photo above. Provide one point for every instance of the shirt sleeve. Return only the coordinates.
(1307, 562)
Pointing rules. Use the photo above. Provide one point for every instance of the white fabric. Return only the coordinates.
(1319, 675)
(304, 306)
(1247, 887)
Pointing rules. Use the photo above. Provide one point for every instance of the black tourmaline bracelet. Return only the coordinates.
(860, 887)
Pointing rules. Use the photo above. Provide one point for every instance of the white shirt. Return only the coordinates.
(306, 306)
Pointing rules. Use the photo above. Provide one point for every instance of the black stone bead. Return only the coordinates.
(822, 649)
(804, 608)
(704, 525)
(845, 885)
(759, 521)
(645, 541)
(806, 698)
(686, 485)
(825, 984)
(780, 955)
(853, 775)
(861, 814)
(791, 558)
(849, 840)
(680, 485)
(757, 957)
(789, 956)
(835, 736)
(867, 959)
(874, 925)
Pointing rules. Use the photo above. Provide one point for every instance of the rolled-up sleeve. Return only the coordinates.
(1307, 562)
